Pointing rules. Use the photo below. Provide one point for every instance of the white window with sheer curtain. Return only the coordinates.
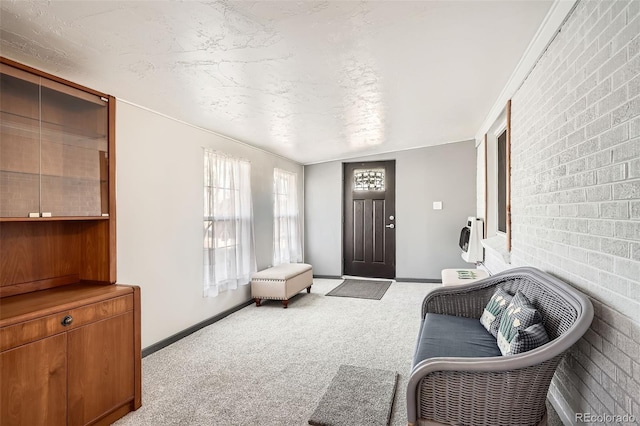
(229, 252)
(287, 238)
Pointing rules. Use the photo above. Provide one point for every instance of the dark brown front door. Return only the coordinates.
(369, 237)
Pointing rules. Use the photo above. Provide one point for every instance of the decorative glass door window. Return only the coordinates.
(368, 180)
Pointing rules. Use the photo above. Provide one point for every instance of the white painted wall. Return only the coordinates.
(323, 217)
(426, 239)
(159, 223)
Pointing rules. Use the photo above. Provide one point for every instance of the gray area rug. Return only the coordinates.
(361, 289)
(357, 396)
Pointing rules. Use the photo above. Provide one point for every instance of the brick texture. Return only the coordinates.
(576, 194)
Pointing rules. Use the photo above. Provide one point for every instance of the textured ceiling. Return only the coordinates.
(309, 80)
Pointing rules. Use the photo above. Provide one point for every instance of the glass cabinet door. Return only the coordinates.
(19, 143)
(53, 148)
(74, 146)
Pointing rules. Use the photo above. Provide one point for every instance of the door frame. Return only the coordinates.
(366, 164)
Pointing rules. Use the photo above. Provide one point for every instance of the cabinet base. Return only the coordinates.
(118, 413)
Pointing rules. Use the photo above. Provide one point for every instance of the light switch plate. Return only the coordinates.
(437, 205)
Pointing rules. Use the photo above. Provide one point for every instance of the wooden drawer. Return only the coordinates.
(29, 331)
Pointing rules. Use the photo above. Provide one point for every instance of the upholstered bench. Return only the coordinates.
(281, 282)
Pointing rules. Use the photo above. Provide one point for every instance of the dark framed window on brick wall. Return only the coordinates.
(502, 181)
(497, 155)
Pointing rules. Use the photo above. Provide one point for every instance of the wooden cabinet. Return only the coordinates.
(69, 336)
(57, 146)
(34, 383)
(70, 355)
(100, 353)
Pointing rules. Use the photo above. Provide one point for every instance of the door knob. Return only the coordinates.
(390, 226)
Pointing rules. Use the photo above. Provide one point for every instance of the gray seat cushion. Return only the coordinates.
(451, 336)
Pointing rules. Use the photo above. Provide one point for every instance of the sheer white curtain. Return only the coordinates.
(287, 239)
(229, 252)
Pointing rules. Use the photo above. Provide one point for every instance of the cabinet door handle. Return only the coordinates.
(67, 320)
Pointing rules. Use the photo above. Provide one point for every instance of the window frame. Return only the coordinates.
(498, 206)
(501, 125)
(244, 217)
(289, 215)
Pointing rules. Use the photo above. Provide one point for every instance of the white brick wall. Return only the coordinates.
(576, 194)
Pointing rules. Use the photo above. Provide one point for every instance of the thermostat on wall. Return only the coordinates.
(437, 205)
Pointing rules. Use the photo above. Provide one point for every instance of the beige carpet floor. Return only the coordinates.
(270, 366)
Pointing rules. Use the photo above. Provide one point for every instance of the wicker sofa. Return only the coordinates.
(494, 390)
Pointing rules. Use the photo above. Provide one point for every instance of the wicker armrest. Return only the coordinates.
(450, 390)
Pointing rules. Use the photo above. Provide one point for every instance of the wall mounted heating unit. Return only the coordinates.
(470, 240)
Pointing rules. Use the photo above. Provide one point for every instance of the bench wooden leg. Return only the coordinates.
(257, 301)
(309, 289)
(285, 303)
